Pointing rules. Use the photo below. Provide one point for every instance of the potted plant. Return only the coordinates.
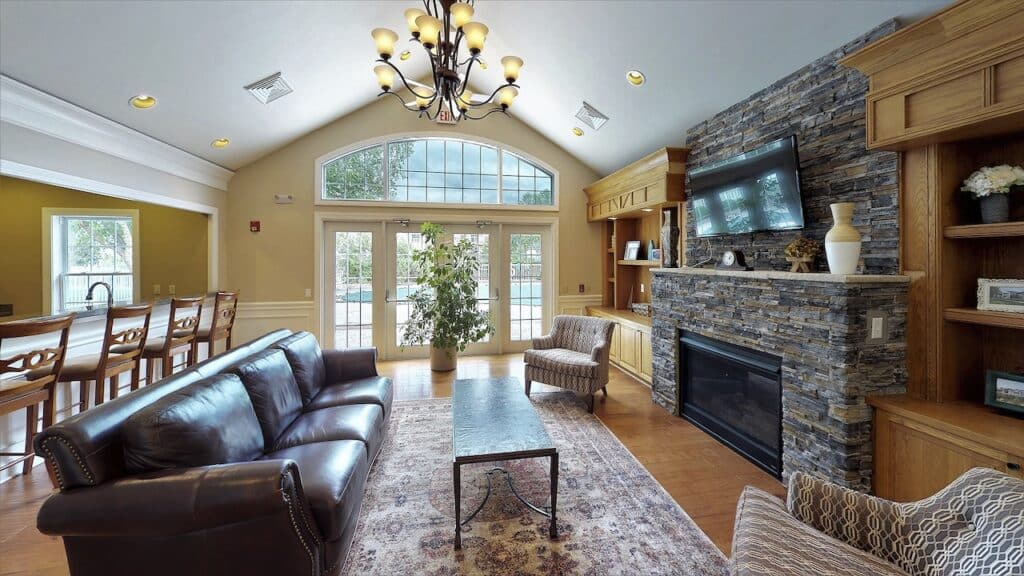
(444, 309)
(991, 186)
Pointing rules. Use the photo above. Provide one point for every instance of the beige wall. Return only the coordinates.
(173, 242)
(277, 263)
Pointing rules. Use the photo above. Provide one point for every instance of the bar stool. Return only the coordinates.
(108, 366)
(221, 323)
(27, 392)
(181, 336)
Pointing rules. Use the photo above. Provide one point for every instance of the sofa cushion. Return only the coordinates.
(768, 541)
(275, 395)
(562, 361)
(208, 422)
(333, 475)
(363, 422)
(307, 362)
(374, 390)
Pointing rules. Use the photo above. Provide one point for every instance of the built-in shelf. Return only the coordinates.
(985, 317)
(649, 263)
(1001, 230)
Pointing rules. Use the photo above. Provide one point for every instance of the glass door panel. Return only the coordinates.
(352, 285)
(403, 243)
(528, 296)
(484, 241)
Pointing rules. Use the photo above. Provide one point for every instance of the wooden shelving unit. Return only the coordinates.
(1011, 320)
(1002, 230)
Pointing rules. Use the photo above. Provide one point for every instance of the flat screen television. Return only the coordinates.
(751, 192)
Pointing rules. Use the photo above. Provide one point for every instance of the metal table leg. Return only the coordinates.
(458, 504)
(554, 495)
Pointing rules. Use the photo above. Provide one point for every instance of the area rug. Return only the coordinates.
(613, 516)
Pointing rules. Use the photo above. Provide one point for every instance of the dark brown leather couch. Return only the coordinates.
(252, 462)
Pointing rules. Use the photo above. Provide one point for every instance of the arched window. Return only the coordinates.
(436, 171)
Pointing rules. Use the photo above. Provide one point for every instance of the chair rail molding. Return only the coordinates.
(36, 110)
(254, 319)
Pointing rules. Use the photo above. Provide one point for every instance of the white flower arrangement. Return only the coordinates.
(994, 180)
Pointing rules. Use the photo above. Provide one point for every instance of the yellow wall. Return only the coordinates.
(277, 263)
(173, 242)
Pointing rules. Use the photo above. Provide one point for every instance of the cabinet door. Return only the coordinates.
(613, 351)
(646, 361)
(629, 348)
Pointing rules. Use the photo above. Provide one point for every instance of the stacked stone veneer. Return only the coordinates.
(823, 105)
(819, 328)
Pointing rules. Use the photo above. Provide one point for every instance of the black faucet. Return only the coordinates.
(110, 295)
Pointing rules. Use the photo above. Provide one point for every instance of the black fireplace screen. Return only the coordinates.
(734, 394)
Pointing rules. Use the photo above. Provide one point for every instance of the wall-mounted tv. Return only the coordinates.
(754, 191)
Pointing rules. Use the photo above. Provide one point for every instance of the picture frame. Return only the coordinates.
(1004, 390)
(1001, 295)
(632, 251)
(655, 255)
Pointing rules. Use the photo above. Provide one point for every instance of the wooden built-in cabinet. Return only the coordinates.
(948, 93)
(631, 341)
(650, 182)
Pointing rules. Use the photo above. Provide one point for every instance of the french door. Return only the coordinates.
(371, 273)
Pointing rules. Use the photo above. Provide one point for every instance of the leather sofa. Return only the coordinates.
(252, 462)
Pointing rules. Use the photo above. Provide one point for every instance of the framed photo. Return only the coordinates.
(1001, 295)
(655, 255)
(1005, 390)
(632, 250)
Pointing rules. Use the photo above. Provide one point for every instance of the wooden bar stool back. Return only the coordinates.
(182, 336)
(23, 391)
(222, 321)
(129, 335)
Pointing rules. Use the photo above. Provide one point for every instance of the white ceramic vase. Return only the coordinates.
(842, 243)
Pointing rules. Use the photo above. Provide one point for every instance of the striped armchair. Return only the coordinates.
(573, 356)
(974, 526)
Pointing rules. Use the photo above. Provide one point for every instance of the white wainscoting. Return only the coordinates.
(576, 304)
(254, 319)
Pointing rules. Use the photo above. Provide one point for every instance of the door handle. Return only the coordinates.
(496, 297)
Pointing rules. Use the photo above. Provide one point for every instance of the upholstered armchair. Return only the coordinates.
(573, 356)
(973, 526)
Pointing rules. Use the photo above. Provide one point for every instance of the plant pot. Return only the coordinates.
(995, 208)
(842, 243)
(443, 359)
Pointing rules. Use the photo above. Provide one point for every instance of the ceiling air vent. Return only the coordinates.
(269, 89)
(591, 117)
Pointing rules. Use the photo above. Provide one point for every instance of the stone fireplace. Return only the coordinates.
(818, 326)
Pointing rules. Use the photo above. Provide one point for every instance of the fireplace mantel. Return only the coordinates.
(818, 325)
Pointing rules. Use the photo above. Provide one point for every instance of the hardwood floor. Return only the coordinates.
(702, 475)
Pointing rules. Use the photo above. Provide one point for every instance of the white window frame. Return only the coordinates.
(319, 200)
(54, 250)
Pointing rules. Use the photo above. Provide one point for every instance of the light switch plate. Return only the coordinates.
(156, 289)
(878, 327)
(170, 289)
(309, 292)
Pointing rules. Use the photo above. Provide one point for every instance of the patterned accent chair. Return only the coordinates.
(974, 526)
(573, 356)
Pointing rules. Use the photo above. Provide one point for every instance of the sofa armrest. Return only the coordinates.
(176, 502)
(351, 364)
(827, 507)
(543, 342)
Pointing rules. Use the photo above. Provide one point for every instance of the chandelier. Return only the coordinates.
(444, 29)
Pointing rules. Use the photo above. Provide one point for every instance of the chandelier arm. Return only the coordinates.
(465, 81)
(407, 86)
(496, 109)
(404, 105)
(493, 94)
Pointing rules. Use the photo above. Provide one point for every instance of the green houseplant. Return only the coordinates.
(444, 309)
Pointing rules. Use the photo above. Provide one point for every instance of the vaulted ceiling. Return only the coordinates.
(195, 57)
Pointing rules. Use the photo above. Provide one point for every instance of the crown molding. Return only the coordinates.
(38, 111)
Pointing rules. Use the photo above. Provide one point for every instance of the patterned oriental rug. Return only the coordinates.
(613, 516)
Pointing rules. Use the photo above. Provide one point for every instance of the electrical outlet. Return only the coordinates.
(156, 289)
(170, 289)
(878, 326)
(641, 287)
(309, 292)
(582, 288)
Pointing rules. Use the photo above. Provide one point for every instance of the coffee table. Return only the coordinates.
(494, 420)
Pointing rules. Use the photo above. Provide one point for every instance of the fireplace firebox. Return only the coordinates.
(734, 394)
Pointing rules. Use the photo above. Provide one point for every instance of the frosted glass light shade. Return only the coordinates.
(430, 29)
(423, 102)
(475, 33)
(385, 77)
(410, 19)
(512, 64)
(506, 95)
(465, 100)
(461, 14)
(385, 41)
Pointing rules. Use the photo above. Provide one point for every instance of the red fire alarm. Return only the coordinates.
(254, 225)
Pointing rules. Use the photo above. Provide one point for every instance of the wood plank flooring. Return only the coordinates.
(702, 475)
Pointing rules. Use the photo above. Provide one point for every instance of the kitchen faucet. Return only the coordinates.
(110, 295)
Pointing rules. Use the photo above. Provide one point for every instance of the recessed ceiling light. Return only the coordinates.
(612, 218)
(220, 143)
(647, 209)
(577, 131)
(405, 55)
(142, 101)
(635, 77)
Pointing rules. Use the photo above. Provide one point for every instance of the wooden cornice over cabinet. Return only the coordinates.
(956, 75)
(650, 182)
